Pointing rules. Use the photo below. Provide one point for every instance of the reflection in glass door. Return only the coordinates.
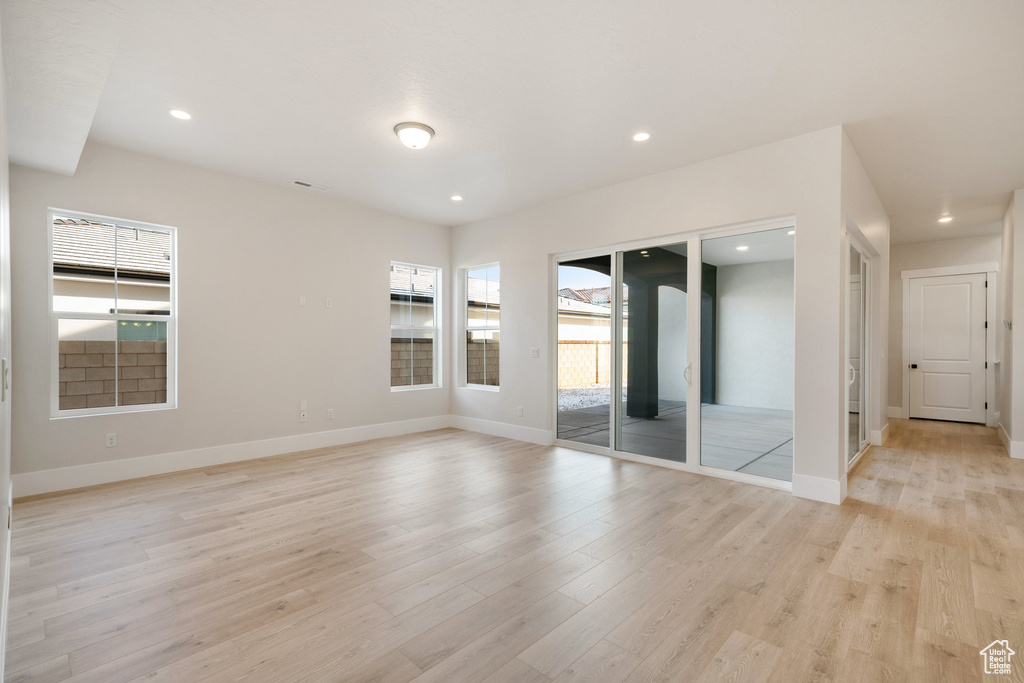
(654, 369)
(584, 350)
(856, 300)
(746, 417)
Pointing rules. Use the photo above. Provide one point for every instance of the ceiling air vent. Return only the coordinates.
(311, 186)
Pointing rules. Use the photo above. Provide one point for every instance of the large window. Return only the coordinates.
(414, 326)
(483, 320)
(112, 313)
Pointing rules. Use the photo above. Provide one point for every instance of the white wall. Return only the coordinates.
(1004, 305)
(5, 352)
(1015, 340)
(915, 256)
(755, 335)
(799, 176)
(864, 216)
(671, 344)
(248, 353)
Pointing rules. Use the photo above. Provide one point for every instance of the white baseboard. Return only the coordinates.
(542, 437)
(1004, 438)
(880, 436)
(819, 488)
(895, 411)
(62, 479)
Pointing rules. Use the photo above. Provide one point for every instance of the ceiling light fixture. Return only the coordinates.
(641, 137)
(791, 232)
(742, 247)
(181, 114)
(414, 135)
(456, 197)
(945, 219)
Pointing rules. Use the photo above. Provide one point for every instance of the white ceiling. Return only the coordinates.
(530, 99)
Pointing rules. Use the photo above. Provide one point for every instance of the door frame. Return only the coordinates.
(991, 271)
(694, 239)
(855, 240)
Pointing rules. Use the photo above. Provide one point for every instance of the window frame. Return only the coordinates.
(467, 328)
(436, 328)
(171, 319)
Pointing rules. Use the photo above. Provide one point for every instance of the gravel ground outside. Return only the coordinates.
(577, 398)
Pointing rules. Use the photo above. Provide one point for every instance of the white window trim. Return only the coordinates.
(437, 328)
(172, 322)
(466, 328)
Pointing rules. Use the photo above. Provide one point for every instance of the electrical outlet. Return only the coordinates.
(302, 416)
(534, 352)
(519, 411)
(111, 440)
(330, 413)
(328, 303)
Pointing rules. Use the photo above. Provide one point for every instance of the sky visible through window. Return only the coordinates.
(580, 278)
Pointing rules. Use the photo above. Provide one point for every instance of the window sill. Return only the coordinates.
(482, 387)
(416, 387)
(113, 410)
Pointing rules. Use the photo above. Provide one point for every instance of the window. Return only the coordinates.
(112, 313)
(483, 311)
(414, 326)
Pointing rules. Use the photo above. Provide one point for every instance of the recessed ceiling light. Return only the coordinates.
(945, 219)
(456, 197)
(742, 247)
(641, 137)
(414, 135)
(644, 251)
(180, 114)
(791, 232)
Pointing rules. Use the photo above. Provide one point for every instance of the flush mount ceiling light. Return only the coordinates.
(456, 197)
(742, 247)
(641, 137)
(414, 135)
(180, 114)
(945, 219)
(791, 232)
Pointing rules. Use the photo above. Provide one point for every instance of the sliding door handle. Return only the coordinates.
(3, 381)
(686, 375)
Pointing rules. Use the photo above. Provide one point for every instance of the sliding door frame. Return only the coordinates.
(866, 360)
(693, 239)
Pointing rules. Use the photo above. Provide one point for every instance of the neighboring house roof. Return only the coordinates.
(477, 292)
(599, 296)
(411, 281)
(82, 245)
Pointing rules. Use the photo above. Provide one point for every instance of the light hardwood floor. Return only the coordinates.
(452, 556)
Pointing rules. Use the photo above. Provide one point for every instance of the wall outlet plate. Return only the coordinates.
(303, 416)
(111, 440)
(330, 413)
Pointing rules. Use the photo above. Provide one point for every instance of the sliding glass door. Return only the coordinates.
(746, 417)
(654, 368)
(856, 362)
(584, 350)
(682, 351)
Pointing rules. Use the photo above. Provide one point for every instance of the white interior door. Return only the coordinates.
(947, 347)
